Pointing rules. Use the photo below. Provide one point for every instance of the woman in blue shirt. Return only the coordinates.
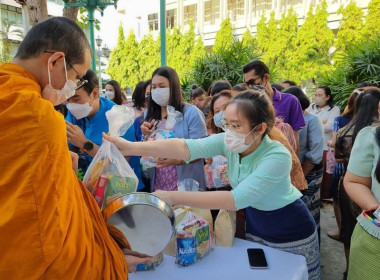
(166, 90)
(259, 174)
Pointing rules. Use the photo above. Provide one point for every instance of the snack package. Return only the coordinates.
(216, 173)
(163, 132)
(109, 175)
(179, 214)
(193, 239)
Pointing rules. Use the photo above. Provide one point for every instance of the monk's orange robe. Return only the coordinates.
(50, 225)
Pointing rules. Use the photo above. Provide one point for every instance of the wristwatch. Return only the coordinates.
(88, 146)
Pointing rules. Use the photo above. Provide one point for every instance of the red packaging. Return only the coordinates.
(100, 190)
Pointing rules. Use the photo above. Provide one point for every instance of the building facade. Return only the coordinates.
(207, 15)
(13, 22)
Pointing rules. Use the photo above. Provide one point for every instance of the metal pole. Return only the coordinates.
(163, 32)
(100, 71)
(91, 19)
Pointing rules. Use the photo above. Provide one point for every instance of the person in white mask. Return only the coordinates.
(166, 90)
(86, 120)
(114, 93)
(259, 174)
(325, 109)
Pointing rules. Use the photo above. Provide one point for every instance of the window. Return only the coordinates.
(11, 14)
(153, 21)
(260, 6)
(171, 16)
(235, 8)
(286, 4)
(190, 14)
(212, 11)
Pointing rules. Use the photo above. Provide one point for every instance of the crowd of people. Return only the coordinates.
(284, 154)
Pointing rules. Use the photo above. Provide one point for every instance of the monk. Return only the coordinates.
(50, 225)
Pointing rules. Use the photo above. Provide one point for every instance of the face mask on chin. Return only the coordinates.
(56, 96)
(235, 142)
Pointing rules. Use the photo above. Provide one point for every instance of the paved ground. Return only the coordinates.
(332, 252)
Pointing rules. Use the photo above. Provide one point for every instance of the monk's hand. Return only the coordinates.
(134, 258)
(74, 160)
(75, 135)
(165, 162)
(120, 143)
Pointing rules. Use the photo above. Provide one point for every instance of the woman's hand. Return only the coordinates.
(208, 160)
(120, 143)
(165, 162)
(134, 258)
(75, 135)
(166, 196)
(146, 128)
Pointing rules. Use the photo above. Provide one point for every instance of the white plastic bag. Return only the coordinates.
(109, 175)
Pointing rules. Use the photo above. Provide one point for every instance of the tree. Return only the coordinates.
(360, 63)
(225, 64)
(282, 44)
(224, 37)
(247, 39)
(372, 20)
(71, 12)
(9, 30)
(350, 31)
(313, 42)
(148, 57)
(262, 35)
(116, 64)
(37, 10)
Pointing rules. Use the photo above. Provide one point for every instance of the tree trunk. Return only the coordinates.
(37, 10)
(71, 13)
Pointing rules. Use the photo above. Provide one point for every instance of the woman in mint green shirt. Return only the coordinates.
(259, 173)
(362, 184)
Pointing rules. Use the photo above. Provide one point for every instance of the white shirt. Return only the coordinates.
(327, 116)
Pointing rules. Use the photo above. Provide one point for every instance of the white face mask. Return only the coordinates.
(235, 142)
(110, 94)
(161, 96)
(319, 101)
(79, 111)
(57, 96)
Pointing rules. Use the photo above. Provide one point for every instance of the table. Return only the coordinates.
(231, 263)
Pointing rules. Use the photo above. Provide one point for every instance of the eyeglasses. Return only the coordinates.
(80, 82)
(252, 82)
(233, 127)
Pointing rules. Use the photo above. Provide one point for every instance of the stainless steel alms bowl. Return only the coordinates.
(146, 221)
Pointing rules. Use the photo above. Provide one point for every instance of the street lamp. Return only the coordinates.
(90, 6)
(101, 52)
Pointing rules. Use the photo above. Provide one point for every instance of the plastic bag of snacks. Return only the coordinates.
(193, 239)
(216, 172)
(163, 132)
(109, 175)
